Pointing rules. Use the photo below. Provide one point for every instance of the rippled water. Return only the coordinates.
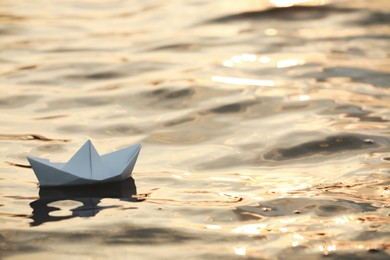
(265, 130)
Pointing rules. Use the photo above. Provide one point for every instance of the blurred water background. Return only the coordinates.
(264, 125)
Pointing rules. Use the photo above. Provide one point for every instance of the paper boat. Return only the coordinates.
(86, 167)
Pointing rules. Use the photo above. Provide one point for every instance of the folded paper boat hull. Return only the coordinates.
(86, 167)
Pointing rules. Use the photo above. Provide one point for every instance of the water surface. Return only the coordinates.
(265, 129)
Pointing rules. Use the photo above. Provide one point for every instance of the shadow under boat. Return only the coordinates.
(89, 195)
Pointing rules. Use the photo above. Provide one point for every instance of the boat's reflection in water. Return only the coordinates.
(90, 197)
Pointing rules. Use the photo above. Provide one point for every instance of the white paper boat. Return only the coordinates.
(86, 167)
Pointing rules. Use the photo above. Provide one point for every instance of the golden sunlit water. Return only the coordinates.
(264, 128)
